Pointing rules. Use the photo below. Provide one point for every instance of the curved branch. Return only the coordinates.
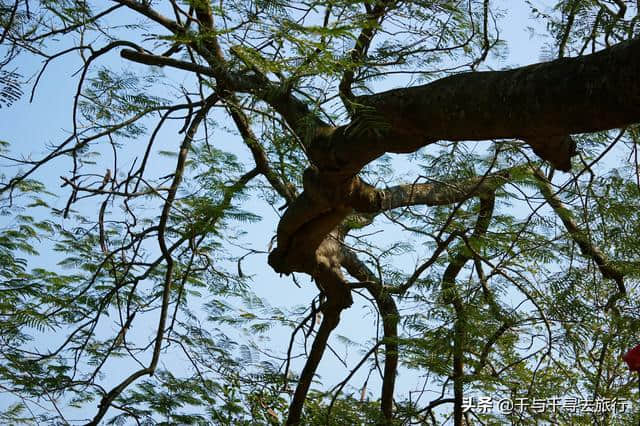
(542, 104)
(451, 295)
(389, 314)
(587, 247)
(372, 200)
(322, 207)
(330, 319)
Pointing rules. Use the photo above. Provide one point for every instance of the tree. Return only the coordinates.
(525, 281)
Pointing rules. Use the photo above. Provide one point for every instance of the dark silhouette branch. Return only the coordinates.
(451, 296)
(374, 15)
(108, 398)
(390, 317)
(330, 319)
(542, 104)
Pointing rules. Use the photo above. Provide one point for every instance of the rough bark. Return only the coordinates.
(542, 104)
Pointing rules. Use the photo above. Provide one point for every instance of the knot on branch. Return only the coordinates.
(557, 150)
(277, 261)
(329, 188)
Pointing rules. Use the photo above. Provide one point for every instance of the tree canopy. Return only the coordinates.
(485, 216)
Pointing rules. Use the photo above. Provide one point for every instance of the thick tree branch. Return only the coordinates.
(161, 61)
(542, 104)
(371, 200)
(324, 267)
(321, 208)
